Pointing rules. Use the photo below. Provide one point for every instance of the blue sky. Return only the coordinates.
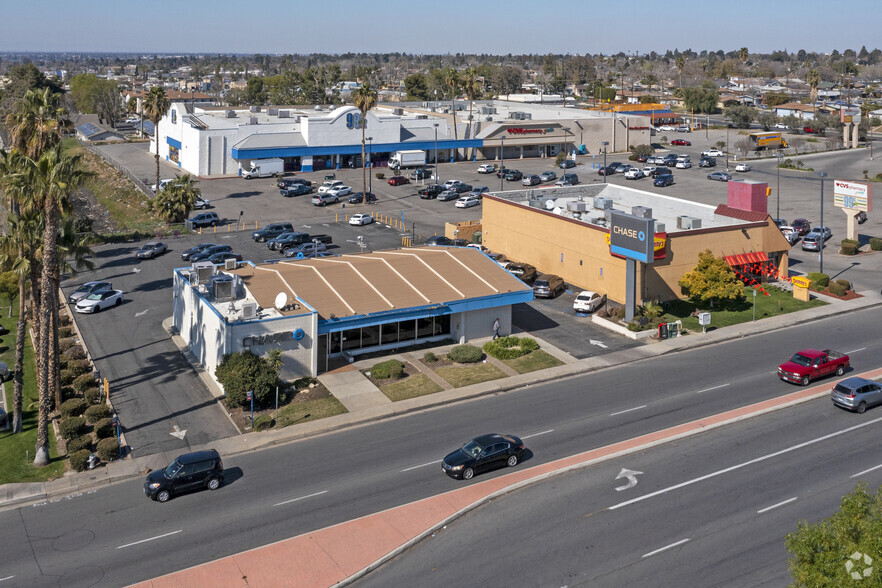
(444, 26)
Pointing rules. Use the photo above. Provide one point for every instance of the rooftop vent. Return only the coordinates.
(641, 211)
(255, 109)
(231, 114)
(249, 311)
(252, 120)
(284, 113)
(688, 222)
(273, 111)
(577, 206)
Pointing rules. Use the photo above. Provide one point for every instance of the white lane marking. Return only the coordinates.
(854, 351)
(712, 388)
(150, 539)
(746, 463)
(421, 466)
(666, 547)
(768, 508)
(6, 578)
(857, 475)
(629, 410)
(537, 434)
(301, 498)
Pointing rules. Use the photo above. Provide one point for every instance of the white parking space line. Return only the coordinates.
(436, 462)
(666, 547)
(150, 539)
(537, 434)
(859, 474)
(854, 351)
(746, 463)
(301, 498)
(629, 410)
(782, 503)
(6, 578)
(712, 388)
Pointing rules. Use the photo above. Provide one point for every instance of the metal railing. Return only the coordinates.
(138, 182)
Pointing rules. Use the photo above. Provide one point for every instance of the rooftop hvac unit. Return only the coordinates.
(536, 203)
(422, 116)
(488, 119)
(659, 227)
(273, 111)
(202, 271)
(231, 114)
(526, 116)
(284, 113)
(603, 203)
(297, 118)
(255, 109)
(230, 264)
(223, 287)
(398, 111)
(249, 311)
(484, 110)
(641, 211)
(577, 206)
(688, 222)
(252, 120)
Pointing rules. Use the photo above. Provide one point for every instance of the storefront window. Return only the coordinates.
(370, 336)
(335, 343)
(406, 330)
(425, 327)
(442, 324)
(390, 333)
(351, 339)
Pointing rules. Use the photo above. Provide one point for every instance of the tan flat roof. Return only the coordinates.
(380, 281)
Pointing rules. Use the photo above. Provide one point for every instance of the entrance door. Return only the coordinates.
(322, 354)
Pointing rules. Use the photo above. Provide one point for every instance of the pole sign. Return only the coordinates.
(854, 195)
(631, 236)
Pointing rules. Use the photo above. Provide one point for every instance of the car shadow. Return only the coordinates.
(232, 475)
(242, 194)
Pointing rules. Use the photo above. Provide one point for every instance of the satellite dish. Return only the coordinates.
(549, 204)
(557, 210)
(281, 300)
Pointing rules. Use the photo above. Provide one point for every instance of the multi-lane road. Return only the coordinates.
(115, 535)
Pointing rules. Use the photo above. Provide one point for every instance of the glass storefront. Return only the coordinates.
(403, 332)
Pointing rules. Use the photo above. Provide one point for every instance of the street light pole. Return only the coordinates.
(822, 175)
(502, 164)
(604, 143)
(436, 149)
(566, 131)
(778, 190)
(370, 167)
(727, 144)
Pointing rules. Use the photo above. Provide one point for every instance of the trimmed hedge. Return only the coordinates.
(79, 460)
(66, 377)
(73, 407)
(818, 279)
(97, 412)
(263, 422)
(510, 347)
(72, 428)
(852, 241)
(104, 429)
(836, 289)
(849, 249)
(64, 332)
(80, 443)
(79, 366)
(392, 368)
(75, 352)
(66, 343)
(430, 357)
(82, 382)
(876, 244)
(107, 450)
(67, 392)
(844, 283)
(91, 395)
(465, 354)
(64, 320)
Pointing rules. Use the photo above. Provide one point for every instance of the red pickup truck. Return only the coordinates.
(810, 364)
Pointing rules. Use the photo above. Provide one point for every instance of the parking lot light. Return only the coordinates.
(823, 233)
(604, 143)
(502, 164)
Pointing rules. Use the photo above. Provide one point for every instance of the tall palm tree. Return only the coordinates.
(364, 97)
(680, 64)
(814, 80)
(451, 78)
(743, 55)
(155, 105)
(472, 87)
(132, 108)
(37, 122)
(174, 202)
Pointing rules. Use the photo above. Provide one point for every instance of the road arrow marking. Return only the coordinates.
(179, 433)
(598, 343)
(142, 313)
(632, 479)
(136, 269)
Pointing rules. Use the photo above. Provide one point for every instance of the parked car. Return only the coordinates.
(329, 185)
(186, 253)
(684, 164)
(358, 198)
(620, 167)
(642, 158)
(712, 153)
(461, 188)
(663, 180)
(780, 222)
(513, 175)
(588, 301)
(661, 171)
(206, 253)
(802, 225)
(790, 233)
(449, 184)
(647, 170)
(707, 162)
(191, 471)
(684, 129)
(667, 128)
(681, 142)
(307, 249)
(742, 167)
(325, 199)
(567, 180)
(606, 171)
(448, 195)
(97, 301)
(286, 240)
(857, 394)
(548, 286)
(861, 217)
(398, 181)
(479, 191)
(420, 174)
(361, 219)
(812, 242)
(812, 130)
(719, 176)
(548, 176)
(223, 256)
(531, 180)
(781, 126)
(811, 364)
(633, 174)
(483, 453)
(201, 203)
(467, 202)
(86, 289)
(271, 231)
(203, 219)
(821, 231)
(430, 191)
(523, 271)
(162, 184)
(501, 171)
(295, 190)
(486, 168)
(340, 191)
(151, 249)
(670, 159)
(567, 164)
(439, 240)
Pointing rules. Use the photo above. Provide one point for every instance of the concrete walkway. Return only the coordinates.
(353, 389)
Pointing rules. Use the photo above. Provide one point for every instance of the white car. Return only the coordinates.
(633, 174)
(451, 183)
(683, 164)
(782, 126)
(666, 128)
(647, 170)
(467, 202)
(361, 219)
(791, 233)
(712, 153)
(486, 168)
(99, 301)
(742, 167)
(162, 185)
(588, 301)
(329, 185)
(339, 191)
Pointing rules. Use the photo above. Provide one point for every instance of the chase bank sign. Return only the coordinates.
(273, 338)
(632, 236)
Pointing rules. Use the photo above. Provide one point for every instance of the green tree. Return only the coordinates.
(18, 81)
(416, 86)
(640, 150)
(9, 288)
(680, 64)
(255, 93)
(37, 122)
(155, 105)
(820, 552)
(813, 79)
(712, 281)
(471, 84)
(364, 97)
(743, 55)
(451, 78)
(174, 202)
(742, 116)
(701, 99)
(773, 99)
(767, 119)
(244, 371)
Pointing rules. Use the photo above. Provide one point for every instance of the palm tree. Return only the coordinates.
(37, 122)
(814, 80)
(680, 64)
(174, 202)
(132, 108)
(364, 98)
(472, 87)
(155, 105)
(743, 55)
(451, 78)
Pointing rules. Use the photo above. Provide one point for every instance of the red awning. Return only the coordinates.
(746, 258)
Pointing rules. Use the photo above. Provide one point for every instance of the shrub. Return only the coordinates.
(66, 377)
(64, 332)
(104, 429)
(79, 366)
(240, 372)
(72, 427)
(844, 283)
(392, 368)
(379, 175)
(73, 407)
(876, 244)
(263, 422)
(107, 450)
(79, 460)
(80, 443)
(854, 242)
(64, 320)
(465, 354)
(430, 357)
(75, 352)
(82, 382)
(67, 392)
(836, 289)
(66, 343)
(818, 279)
(96, 412)
(510, 347)
(849, 249)
(91, 395)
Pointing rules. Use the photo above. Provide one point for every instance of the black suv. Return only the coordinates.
(191, 471)
(421, 174)
(707, 162)
(513, 175)
(271, 231)
(430, 191)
